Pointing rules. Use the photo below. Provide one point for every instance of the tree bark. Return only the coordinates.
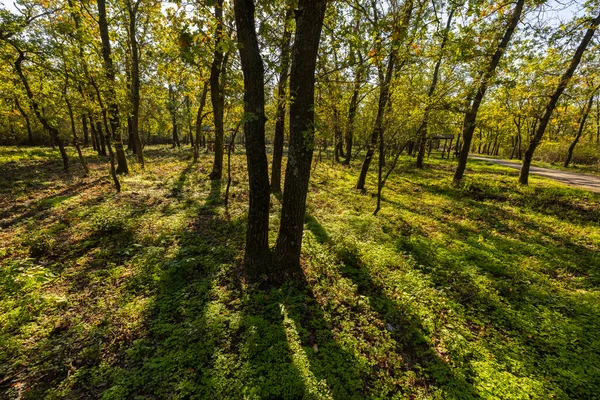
(75, 139)
(484, 78)
(309, 22)
(86, 132)
(564, 80)
(173, 111)
(96, 127)
(199, 119)
(113, 109)
(72, 120)
(281, 105)
(217, 97)
(256, 257)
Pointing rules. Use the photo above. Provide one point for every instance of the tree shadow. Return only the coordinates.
(177, 189)
(519, 282)
(412, 345)
(43, 206)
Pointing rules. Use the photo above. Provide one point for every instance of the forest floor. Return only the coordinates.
(585, 181)
(491, 290)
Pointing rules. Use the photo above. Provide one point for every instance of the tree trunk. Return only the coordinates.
(256, 257)
(173, 110)
(352, 110)
(384, 90)
(27, 122)
(564, 80)
(54, 136)
(584, 116)
(339, 140)
(278, 139)
(598, 120)
(423, 130)
(113, 108)
(74, 133)
(132, 10)
(309, 21)
(485, 77)
(106, 141)
(189, 120)
(380, 172)
(216, 94)
(86, 132)
(199, 119)
(97, 130)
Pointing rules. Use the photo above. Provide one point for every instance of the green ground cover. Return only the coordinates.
(486, 291)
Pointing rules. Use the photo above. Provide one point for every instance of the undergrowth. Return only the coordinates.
(489, 290)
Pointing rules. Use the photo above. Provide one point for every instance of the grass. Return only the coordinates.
(587, 169)
(486, 291)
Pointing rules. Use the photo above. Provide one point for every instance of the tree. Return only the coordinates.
(113, 108)
(484, 80)
(560, 88)
(216, 93)
(37, 109)
(27, 121)
(132, 11)
(256, 258)
(309, 22)
(422, 130)
(385, 79)
(281, 103)
(584, 115)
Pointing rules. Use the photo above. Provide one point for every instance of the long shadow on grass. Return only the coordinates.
(177, 189)
(532, 318)
(403, 326)
(208, 337)
(546, 332)
(43, 207)
(69, 346)
(532, 238)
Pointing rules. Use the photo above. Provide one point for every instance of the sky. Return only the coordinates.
(9, 5)
(567, 8)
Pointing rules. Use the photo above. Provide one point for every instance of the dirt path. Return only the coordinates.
(589, 182)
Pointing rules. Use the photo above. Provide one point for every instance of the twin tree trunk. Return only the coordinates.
(564, 80)
(216, 94)
(309, 22)
(281, 98)
(256, 258)
(484, 78)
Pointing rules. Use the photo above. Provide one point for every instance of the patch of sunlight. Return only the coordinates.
(315, 389)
